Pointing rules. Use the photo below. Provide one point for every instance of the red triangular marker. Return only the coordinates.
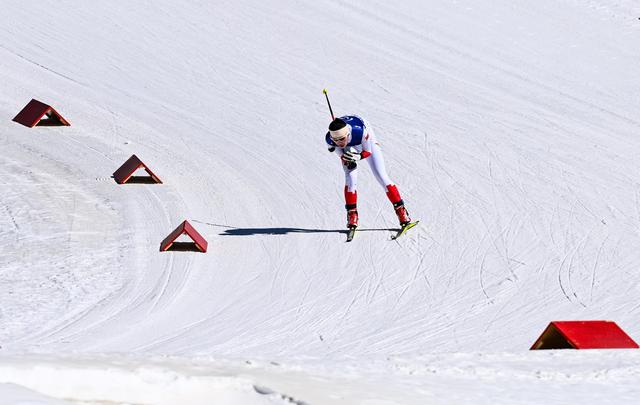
(184, 228)
(583, 335)
(34, 113)
(124, 172)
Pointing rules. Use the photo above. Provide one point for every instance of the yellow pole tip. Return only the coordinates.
(324, 91)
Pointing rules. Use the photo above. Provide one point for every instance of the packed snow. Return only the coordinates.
(510, 127)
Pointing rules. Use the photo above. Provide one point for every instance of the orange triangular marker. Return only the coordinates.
(36, 113)
(184, 228)
(124, 172)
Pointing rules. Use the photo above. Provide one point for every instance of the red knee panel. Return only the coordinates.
(393, 194)
(351, 198)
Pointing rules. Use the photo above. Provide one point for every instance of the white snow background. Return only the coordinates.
(511, 127)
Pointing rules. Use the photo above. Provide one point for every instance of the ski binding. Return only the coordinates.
(351, 233)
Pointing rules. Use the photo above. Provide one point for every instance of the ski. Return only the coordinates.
(404, 229)
(351, 233)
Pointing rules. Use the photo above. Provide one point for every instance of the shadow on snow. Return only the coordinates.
(233, 231)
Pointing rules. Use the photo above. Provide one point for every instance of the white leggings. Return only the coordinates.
(376, 162)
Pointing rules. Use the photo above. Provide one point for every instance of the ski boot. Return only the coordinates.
(402, 213)
(352, 218)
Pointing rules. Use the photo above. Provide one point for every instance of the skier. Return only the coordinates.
(352, 138)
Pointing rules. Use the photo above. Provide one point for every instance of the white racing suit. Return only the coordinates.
(363, 140)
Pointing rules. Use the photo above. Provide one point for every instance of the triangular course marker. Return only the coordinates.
(125, 172)
(184, 228)
(37, 113)
(583, 335)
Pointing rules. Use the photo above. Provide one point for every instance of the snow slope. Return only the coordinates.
(509, 126)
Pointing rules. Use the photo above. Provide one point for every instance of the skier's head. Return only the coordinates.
(339, 132)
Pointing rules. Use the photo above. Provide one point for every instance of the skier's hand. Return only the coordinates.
(349, 163)
(351, 157)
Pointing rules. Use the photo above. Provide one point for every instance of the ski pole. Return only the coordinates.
(328, 103)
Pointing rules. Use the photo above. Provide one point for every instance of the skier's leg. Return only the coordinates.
(351, 195)
(376, 162)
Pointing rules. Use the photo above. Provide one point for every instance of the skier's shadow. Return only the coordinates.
(232, 231)
(286, 231)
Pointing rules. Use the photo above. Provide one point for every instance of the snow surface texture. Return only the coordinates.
(510, 126)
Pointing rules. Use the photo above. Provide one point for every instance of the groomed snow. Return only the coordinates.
(593, 377)
(510, 126)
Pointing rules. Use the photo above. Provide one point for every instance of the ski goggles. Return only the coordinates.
(339, 140)
(341, 135)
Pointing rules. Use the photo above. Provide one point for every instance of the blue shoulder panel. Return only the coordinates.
(329, 140)
(357, 130)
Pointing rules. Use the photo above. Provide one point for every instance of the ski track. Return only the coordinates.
(495, 156)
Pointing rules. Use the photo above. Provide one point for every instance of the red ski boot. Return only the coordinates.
(352, 218)
(402, 213)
